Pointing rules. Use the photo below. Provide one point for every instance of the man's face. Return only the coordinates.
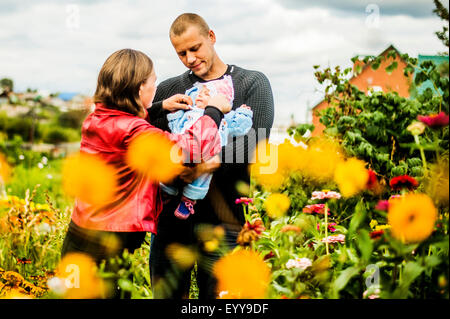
(196, 51)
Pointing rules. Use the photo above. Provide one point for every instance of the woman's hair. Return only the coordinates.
(120, 79)
(185, 20)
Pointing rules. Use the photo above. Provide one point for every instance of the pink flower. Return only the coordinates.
(382, 205)
(434, 120)
(244, 200)
(334, 239)
(330, 227)
(315, 208)
(325, 195)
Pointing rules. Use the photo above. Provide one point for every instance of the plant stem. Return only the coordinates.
(422, 153)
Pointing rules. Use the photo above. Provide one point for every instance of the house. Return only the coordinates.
(377, 80)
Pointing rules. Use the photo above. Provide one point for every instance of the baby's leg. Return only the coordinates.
(192, 192)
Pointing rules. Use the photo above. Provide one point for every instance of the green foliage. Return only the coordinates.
(372, 127)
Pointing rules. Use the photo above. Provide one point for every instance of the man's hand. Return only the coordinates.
(221, 102)
(177, 102)
(190, 174)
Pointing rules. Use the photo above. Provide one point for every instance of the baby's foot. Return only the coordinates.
(185, 208)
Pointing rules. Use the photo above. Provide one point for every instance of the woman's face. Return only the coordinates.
(147, 90)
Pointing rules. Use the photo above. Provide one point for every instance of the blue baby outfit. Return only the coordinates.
(235, 123)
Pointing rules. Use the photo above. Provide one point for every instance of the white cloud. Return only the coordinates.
(42, 49)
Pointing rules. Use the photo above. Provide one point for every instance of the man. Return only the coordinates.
(193, 42)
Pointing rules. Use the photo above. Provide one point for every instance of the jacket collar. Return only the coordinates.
(102, 109)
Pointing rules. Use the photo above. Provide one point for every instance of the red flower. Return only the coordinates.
(403, 181)
(372, 181)
(382, 205)
(244, 200)
(434, 120)
(376, 234)
(269, 255)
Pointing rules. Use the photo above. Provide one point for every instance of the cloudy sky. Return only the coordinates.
(60, 45)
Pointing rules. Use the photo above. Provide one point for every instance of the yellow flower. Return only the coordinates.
(79, 276)
(211, 245)
(155, 156)
(5, 169)
(382, 227)
(242, 274)
(320, 159)
(265, 168)
(436, 184)
(277, 205)
(412, 217)
(373, 223)
(416, 128)
(89, 178)
(182, 255)
(351, 176)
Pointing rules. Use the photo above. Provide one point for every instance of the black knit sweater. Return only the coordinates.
(251, 88)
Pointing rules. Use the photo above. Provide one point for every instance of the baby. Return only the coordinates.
(235, 123)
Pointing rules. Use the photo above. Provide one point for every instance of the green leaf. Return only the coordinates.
(344, 278)
(125, 284)
(365, 244)
(432, 261)
(391, 67)
(411, 271)
(358, 217)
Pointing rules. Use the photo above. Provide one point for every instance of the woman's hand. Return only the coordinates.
(221, 102)
(177, 102)
(190, 174)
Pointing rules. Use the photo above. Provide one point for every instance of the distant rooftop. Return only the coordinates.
(67, 96)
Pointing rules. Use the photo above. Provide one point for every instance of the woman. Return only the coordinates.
(125, 89)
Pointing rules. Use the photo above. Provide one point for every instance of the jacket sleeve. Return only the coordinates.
(199, 143)
(239, 121)
(174, 120)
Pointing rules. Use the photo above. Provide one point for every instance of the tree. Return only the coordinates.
(6, 85)
(442, 12)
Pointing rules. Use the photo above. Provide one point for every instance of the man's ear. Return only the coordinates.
(212, 36)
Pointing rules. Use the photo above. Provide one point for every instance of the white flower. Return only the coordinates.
(56, 285)
(44, 160)
(49, 176)
(44, 228)
(21, 157)
(40, 165)
(301, 263)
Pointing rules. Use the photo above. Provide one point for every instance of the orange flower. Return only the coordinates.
(412, 217)
(78, 274)
(5, 169)
(89, 178)
(242, 274)
(155, 156)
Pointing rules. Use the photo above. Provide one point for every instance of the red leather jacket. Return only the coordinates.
(107, 133)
